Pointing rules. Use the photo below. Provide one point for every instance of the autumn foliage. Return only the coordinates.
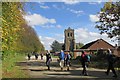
(16, 34)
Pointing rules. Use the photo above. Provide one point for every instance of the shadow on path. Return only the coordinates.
(56, 79)
(38, 71)
(36, 63)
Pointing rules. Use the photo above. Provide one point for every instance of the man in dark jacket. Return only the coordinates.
(111, 61)
(68, 57)
(36, 55)
(48, 59)
(29, 55)
(84, 63)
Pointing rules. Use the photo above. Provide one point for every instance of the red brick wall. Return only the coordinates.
(100, 44)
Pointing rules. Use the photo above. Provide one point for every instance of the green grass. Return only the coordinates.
(0, 70)
(55, 56)
(9, 68)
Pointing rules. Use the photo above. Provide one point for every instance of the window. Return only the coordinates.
(71, 34)
(68, 34)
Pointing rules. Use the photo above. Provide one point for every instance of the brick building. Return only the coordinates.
(94, 46)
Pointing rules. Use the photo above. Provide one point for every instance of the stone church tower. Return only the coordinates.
(69, 39)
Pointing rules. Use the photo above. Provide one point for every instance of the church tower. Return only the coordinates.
(69, 39)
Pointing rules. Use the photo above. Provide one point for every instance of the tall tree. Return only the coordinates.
(11, 21)
(79, 45)
(109, 20)
(16, 34)
(28, 40)
(56, 46)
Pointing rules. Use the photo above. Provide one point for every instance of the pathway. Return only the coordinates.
(38, 71)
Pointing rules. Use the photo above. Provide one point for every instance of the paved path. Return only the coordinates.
(38, 71)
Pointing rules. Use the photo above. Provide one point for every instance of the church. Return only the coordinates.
(69, 40)
(70, 44)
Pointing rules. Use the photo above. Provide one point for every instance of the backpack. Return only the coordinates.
(86, 58)
(68, 56)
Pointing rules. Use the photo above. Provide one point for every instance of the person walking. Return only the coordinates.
(48, 59)
(84, 63)
(41, 56)
(65, 60)
(68, 57)
(29, 55)
(111, 60)
(36, 55)
(62, 56)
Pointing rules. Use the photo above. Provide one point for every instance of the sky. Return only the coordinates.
(50, 19)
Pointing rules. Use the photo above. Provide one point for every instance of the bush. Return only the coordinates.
(78, 58)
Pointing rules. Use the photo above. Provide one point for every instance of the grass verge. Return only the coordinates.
(9, 68)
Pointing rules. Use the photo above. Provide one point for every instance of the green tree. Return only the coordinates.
(28, 40)
(79, 45)
(17, 36)
(109, 20)
(11, 22)
(56, 46)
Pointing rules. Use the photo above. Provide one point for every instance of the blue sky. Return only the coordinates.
(50, 19)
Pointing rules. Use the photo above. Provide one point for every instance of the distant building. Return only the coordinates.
(94, 46)
(69, 42)
(117, 51)
(98, 44)
(70, 45)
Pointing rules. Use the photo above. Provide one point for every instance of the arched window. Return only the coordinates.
(68, 34)
(71, 34)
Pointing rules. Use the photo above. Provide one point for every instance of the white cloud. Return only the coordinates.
(92, 3)
(58, 26)
(84, 36)
(93, 18)
(37, 19)
(55, 6)
(40, 2)
(78, 12)
(46, 41)
(52, 26)
(70, 1)
(28, 13)
(59, 37)
(44, 7)
(95, 2)
(47, 26)
(40, 37)
(99, 1)
(33, 26)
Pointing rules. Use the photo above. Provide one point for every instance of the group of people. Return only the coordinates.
(64, 60)
(85, 60)
(35, 54)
